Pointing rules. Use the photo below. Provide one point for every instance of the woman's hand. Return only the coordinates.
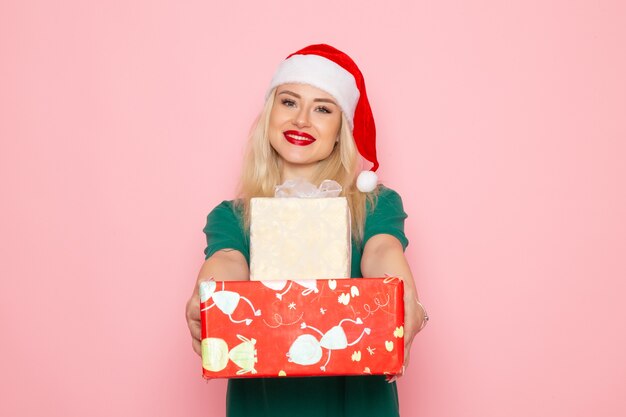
(192, 313)
(383, 256)
(225, 265)
(415, 318)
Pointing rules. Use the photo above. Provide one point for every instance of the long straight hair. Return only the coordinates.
(262, 169)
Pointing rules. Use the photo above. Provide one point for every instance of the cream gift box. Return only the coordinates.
(299, 238)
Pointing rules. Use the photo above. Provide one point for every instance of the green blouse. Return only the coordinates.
(358, 396)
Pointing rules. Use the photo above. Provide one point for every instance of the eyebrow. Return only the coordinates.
(323, 100)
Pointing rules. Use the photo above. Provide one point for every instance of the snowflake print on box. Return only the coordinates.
(300, 328)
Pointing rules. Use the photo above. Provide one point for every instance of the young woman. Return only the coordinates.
(315, 123)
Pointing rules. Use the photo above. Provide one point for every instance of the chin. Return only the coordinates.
(295, 158)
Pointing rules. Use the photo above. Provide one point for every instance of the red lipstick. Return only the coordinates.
(298, 138)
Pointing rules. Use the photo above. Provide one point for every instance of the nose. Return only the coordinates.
(301, 119)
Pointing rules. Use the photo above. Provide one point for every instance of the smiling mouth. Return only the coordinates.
(298, 138)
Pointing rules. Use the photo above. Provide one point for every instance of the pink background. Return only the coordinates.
(501, 124)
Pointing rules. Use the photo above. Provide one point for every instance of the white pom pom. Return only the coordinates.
(366, 181)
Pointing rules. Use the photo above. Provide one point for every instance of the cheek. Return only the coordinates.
(328, 145)
(332, 130)
(273, 139)
(335, 125)
(274, 128)
(279, 115)
(272, 124)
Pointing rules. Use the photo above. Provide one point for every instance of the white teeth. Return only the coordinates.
(298, 137)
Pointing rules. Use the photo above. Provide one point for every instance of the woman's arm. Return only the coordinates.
(224, 265)
(382, 255)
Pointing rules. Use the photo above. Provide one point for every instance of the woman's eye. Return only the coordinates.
(324, 109)
(287, 102)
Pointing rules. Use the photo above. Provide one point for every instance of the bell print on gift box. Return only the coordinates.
(307, 350)
(226, 301)
(310, 286)
(215, 355)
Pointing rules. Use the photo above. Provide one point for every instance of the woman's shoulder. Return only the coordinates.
(224, 229)
(228, 206)
(384, 197)
(225, 212)
(386, 215)
(387, 192)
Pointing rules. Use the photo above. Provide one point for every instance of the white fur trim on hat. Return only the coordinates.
(321, 73)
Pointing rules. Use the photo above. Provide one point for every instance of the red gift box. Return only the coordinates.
(302, 328)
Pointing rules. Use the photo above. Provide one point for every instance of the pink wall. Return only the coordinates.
(501, 124)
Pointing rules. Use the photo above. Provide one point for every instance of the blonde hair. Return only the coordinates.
(262, 169)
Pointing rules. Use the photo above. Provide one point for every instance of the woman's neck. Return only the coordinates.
(292, 172)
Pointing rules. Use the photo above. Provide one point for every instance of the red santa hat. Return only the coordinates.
(331, 70)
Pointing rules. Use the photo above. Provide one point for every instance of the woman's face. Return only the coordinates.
(303, 127)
